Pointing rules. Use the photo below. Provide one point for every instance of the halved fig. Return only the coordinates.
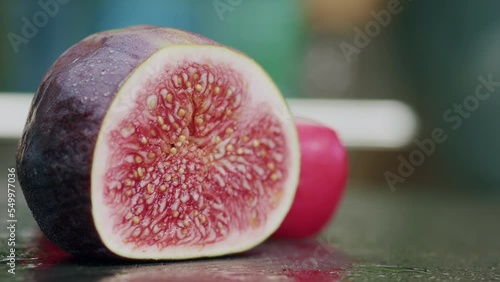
(156, 143)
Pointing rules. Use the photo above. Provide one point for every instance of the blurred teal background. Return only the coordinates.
(439, 223)
(428, 55)
(273, 32)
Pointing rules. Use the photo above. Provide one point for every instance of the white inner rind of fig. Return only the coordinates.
(196, 157)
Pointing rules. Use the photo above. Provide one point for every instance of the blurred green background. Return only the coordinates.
(424, 53)
(276, 38)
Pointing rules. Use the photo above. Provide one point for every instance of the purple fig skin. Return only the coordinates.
(54, 157)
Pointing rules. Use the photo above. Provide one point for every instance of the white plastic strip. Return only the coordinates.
(370, 124)
(14, 108)
(376, 124)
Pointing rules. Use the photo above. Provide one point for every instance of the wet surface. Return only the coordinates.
(377, 235)
(418, 234)
(412, 234)
(40, 260)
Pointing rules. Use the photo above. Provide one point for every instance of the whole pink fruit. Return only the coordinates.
(323, 176)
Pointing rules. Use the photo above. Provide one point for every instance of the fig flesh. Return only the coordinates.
(156, 143)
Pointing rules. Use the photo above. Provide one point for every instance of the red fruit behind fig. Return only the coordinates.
(323, 175)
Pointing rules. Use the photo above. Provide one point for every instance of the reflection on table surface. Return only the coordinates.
(408, 234)
(271, 261)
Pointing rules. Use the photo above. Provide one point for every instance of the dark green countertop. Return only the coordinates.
(446, 236)
(411, 234)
